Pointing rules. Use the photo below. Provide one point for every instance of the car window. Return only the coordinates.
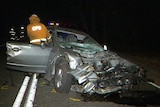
(66, 37)
(77, 42)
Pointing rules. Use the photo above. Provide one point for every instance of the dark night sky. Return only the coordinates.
(119, 23)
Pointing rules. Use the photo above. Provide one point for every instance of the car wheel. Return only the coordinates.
(62, 79)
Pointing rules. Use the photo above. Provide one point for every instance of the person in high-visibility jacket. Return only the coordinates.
(37, 31)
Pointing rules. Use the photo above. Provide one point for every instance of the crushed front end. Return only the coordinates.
(100, 71)
(105, 72)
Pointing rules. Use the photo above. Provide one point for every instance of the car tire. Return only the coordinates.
(62, 79)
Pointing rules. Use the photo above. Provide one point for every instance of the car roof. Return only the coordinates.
(70, 30)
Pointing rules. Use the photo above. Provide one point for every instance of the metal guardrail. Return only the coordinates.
(21, 92)
(155, 85)
(30, 95)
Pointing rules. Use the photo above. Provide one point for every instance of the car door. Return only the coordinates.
(27, 57)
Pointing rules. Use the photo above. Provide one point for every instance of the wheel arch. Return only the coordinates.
(50, 69)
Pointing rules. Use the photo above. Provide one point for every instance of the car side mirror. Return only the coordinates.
(105, 47)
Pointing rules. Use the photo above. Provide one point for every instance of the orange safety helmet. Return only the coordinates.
(34, 18)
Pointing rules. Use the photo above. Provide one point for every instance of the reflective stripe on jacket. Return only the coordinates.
(38, 40)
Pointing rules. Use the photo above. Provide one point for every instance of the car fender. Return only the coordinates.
(73, 59)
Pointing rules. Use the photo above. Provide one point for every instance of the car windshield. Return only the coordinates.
(78, 42)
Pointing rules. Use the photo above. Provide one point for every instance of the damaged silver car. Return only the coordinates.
(74, 61)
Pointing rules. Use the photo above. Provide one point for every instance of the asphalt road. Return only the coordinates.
(46, 96)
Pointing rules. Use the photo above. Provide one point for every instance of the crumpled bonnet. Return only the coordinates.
(34, 18)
